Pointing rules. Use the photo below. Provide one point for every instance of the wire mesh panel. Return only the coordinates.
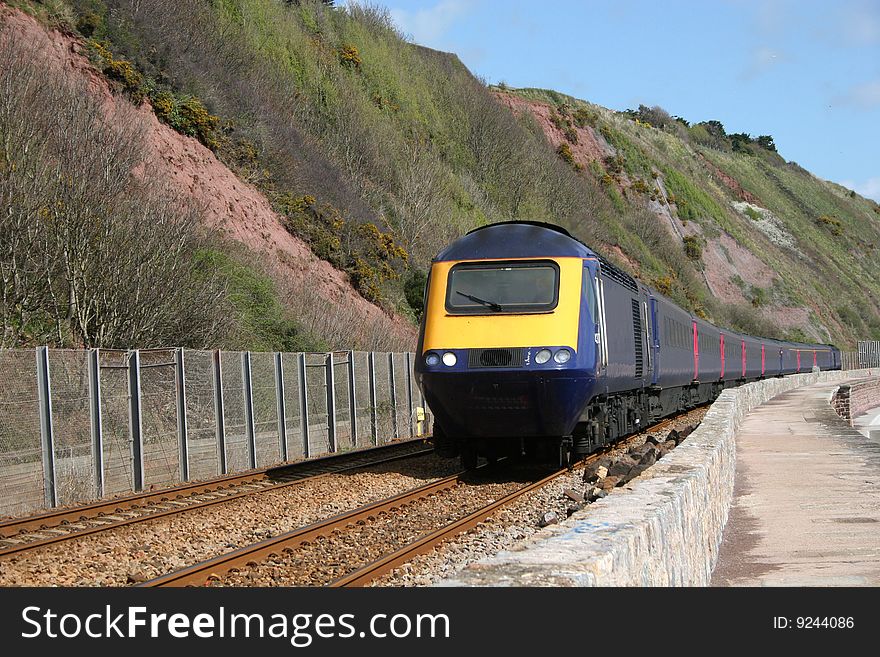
(74, 470)
(402, 405)
(362, 399)
(159, 418)
(343, 404)
(118, 475)
(233, 412)
(265, 408)
(384, 406)
(317, 388)
(201, 419)
(292, 413)
(869, 353)
(21, 466)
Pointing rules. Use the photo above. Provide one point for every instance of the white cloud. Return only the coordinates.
(762, 60)
(428, 26)
(864, 96)
(870, 188)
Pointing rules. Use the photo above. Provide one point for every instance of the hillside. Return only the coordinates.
(760, 231)
(342, 158)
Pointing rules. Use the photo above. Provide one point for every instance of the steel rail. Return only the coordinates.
(365, 575)
(249, 556)
(185, 498)
(199, 573)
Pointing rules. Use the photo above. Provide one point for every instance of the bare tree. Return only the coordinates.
(93, 252)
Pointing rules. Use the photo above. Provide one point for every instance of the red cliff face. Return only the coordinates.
(234, 208)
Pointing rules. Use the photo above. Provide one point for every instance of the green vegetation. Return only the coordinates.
(753, 214)
(414, 288)
(835, 227)
(693, 249)
(307, 100)
(377, 152)
(264, 323)
(184, 113)
(693, 203)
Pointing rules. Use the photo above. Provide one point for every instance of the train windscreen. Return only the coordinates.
(482, 288)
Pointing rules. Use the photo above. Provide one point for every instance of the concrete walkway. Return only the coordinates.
(806, 508)
(868, 421)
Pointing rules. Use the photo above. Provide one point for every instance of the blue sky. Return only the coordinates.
(806, 72)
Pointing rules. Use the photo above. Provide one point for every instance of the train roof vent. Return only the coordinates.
(610, 271)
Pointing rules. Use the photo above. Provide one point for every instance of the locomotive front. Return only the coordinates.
(507, 348)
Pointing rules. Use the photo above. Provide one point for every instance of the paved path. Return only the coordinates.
(806, 509)
(868, 421)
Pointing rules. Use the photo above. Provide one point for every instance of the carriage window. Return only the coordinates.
(486, 288)
(590, 294)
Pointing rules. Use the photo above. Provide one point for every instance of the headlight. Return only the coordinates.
(562, 356)
(542, 356)
(432, 359)
(449, 359)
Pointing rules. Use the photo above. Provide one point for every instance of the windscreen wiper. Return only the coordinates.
(494, 306)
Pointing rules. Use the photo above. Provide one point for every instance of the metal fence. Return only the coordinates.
(867, 355)
(80, 425)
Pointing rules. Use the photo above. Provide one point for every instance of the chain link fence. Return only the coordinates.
(78, 425)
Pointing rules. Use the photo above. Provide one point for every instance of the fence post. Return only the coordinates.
(282, 411)
(247, 386)
(304, 405)
(95, 413)
(182, 427)
(374, 420)
(47, 439)
(391, 382)
(352, 399)
(409, 393)
(134, 419)
(330, 382)
(218, 412)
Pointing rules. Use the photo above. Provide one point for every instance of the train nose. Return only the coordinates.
(508, 404)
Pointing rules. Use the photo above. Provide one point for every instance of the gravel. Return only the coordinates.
(511, 524)
(140, 552)
(329, 558)
(137, 553)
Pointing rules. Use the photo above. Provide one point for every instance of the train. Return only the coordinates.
(531, 343)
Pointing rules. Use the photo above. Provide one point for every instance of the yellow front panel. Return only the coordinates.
(556, 328)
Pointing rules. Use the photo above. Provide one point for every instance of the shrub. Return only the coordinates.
(614, 163)
(188, 116)
(414, 289)
(349, 56)
(766, 141)
(833, 224)
(663, 284)
(753, 214)
(640, 186)
(564, 151)
(693, 249)
(119, 71)
(558, 121)
(583, 117)
(88, 23)
(758, 296)
(377, 262)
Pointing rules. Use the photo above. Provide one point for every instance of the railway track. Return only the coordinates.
(286, 547)
(365, 575)
(22, 534)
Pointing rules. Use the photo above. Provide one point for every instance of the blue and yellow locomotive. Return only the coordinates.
(530, 340)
